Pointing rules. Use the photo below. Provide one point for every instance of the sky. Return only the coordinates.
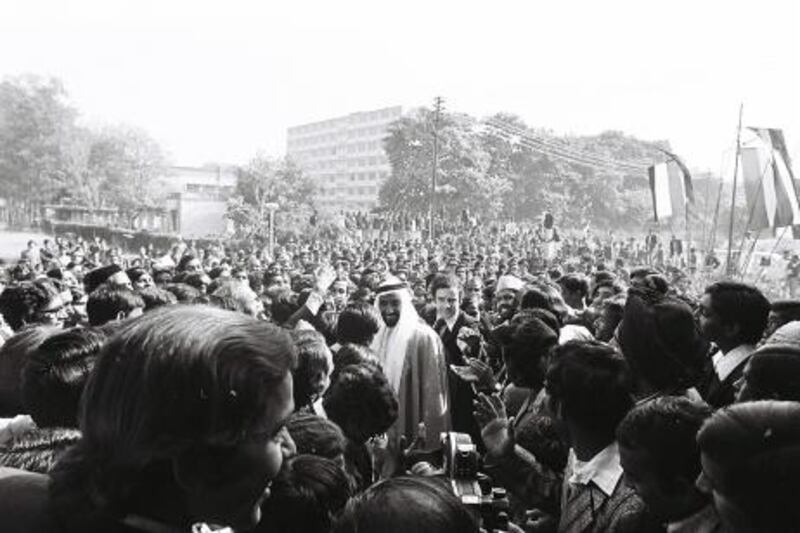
(222, 81)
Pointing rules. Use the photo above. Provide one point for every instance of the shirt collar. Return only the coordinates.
(725, 363)
(604, 469)
(450, 322)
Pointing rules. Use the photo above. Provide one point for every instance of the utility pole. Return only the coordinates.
(437, 111)
(728, 264)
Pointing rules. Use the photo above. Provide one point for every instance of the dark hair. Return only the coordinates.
(538, 435)
(54, 375)
(305, 497)
(615, 287)
(315, 435)
(21, 304)
(106, 303)
(363, 295)
(772, 374)
(407, 504)
(443, 281)
(94, 278)
(527, 340)
(284, 305)
(756, 449)
(156, 297)
(134, 273)
(666, 429)
(181, 382)
(353, 354)
(361, 402)
(13, 355)
(791, 308)
(591, 383)
(313, 358)
(185, 260)
(195, 280)
(535, 298)
(358, 323)
(742, 305)
(184, 292)
(661, 342)
(574, 283)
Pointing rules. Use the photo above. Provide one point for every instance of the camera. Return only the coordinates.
(461, 463)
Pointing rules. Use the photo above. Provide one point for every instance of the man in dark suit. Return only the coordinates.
(449, 323)
(733, 316)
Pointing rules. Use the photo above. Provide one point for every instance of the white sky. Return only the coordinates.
(218, 81)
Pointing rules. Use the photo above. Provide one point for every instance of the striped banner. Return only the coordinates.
(668, 186)
(769, 182)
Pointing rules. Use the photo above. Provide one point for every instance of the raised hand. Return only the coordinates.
(490, 413)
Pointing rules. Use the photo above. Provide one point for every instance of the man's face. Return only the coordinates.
(601, 295)
(775, 320)
(506, 303)
(389, 306)
(54, 313)
(474, 290)
(711, 325)
(193, 266)
(641, 474)
(144, 281)
(339, 290)
(247, 470)
(120, 279)
(447, 301)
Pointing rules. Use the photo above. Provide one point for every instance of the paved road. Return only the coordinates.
(13, 242)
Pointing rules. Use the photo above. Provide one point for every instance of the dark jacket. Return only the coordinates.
(461, 394)
(718, 393)
(24, 502)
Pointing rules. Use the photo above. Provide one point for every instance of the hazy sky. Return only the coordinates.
(218, 81)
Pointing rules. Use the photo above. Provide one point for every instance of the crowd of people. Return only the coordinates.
(310, 388)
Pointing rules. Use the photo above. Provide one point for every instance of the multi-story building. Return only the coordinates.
(345, 157)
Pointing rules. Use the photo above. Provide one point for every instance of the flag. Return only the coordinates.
(769, 182)
(671, 187)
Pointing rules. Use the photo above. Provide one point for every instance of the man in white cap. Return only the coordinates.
(506, 297)
(414, 363)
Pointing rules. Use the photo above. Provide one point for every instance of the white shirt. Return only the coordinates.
(726, 363)
(604, 469)
(450, 322)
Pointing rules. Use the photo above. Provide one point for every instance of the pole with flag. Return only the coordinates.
(671, 189)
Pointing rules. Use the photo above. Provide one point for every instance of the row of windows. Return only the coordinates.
(352, 191)
(355, 118)
(353, 148)
(333, 164)
(375, 134)
(350, 204)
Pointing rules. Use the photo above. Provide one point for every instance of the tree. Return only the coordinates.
(36, 123)
(46, 157)
(464, 178)
(124, 162)
(506, 175)
(264, 181)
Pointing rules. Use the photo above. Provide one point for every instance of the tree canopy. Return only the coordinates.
(497, 176)
(46, 156)
(263, 181)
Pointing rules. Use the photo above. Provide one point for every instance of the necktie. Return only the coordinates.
(579, 511)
